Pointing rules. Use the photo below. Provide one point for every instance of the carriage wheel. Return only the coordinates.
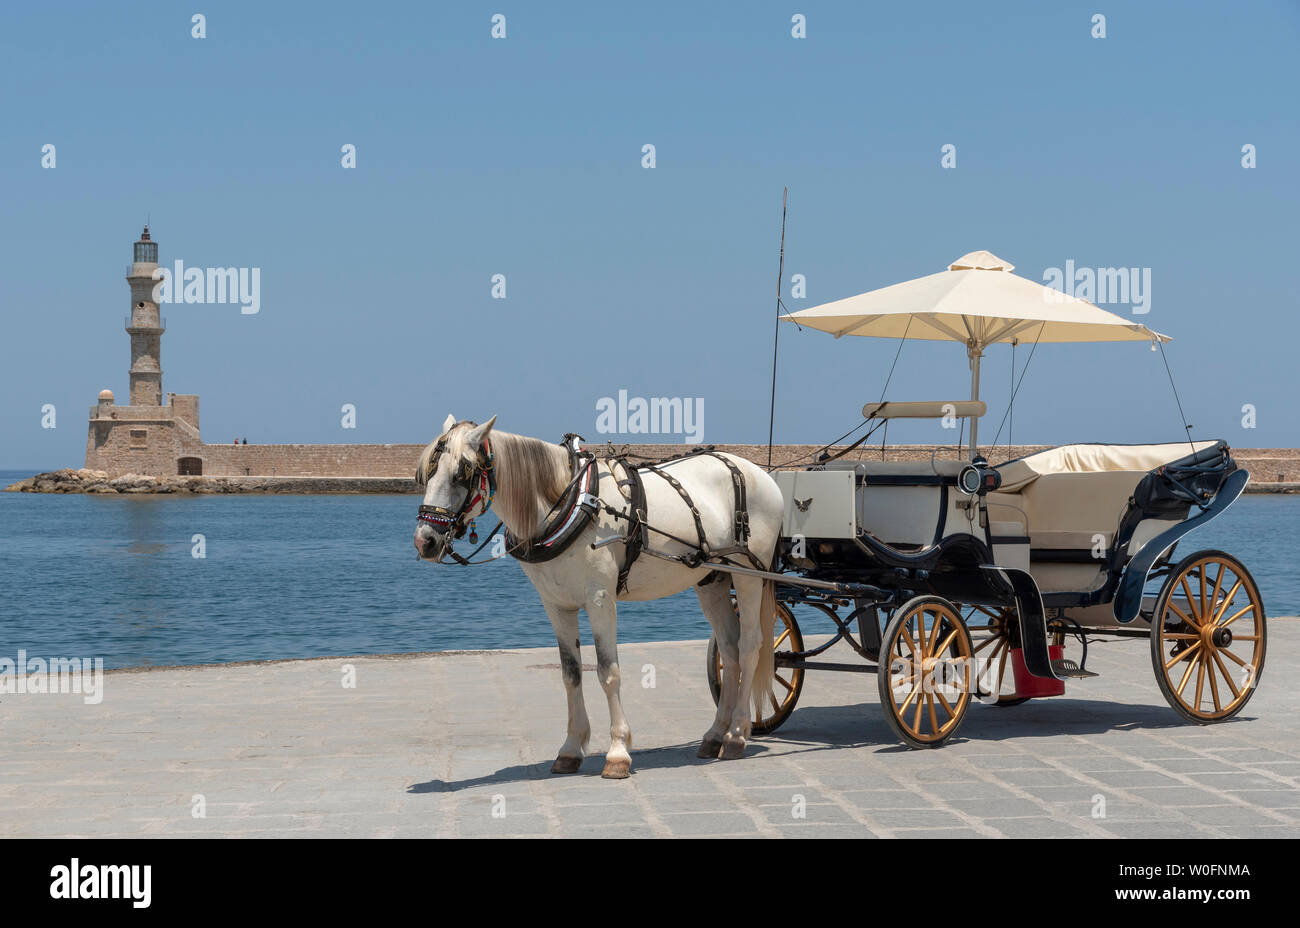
(925, 688)
(1208, 637)
(993, 641)
(787, 681)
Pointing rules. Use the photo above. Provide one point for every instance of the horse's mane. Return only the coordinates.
(529, 471)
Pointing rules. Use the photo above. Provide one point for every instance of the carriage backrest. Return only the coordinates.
(1078, 490)
(1070, 510)
(1093, 459)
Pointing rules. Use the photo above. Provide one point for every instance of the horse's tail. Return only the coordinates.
(765, 673)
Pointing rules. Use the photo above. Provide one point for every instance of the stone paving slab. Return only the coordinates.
(459, 744)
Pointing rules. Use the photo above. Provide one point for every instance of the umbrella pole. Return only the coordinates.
(975, 355)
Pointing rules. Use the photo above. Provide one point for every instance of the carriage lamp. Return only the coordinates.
(978, 478)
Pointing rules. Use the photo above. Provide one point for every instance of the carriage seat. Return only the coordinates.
(1072, 498)
(1069, 512)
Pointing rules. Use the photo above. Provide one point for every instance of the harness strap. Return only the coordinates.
(636, 530)
(571, 514)
(742, 508)
(673, 482)
(637, 538)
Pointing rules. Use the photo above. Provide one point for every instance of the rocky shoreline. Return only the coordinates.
(82, 480)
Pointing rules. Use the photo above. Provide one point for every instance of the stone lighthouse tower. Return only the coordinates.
(145, 325)
(150, 433)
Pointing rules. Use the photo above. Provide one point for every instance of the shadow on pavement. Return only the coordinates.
(660, 758)
(833, 728)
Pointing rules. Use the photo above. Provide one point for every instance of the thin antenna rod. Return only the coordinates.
(1186, 428)
(776, 336)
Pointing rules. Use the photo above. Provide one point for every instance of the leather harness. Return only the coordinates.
(639, 528)
(570, 515)
(580, 503)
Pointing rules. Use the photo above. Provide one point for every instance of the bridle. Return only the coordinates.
(480, 483)
(568, 517)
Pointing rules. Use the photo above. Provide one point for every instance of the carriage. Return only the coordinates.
(962, 581)
(957, 579)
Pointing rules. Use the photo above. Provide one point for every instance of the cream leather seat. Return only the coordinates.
(1071, 500)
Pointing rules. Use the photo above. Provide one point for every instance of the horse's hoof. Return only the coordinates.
(732, 750)
(709, 748)
(566, 764)
(617, 769)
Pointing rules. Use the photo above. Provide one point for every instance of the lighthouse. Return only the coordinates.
(151, 433)
(144, 325)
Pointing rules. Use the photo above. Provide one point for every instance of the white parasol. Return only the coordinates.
(979, 302)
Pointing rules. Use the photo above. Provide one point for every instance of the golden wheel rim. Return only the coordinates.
(991, 647)
(929, 672)
(786, 681)
(1210, 634)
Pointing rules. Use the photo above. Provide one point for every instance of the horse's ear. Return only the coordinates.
(479, 432)
(448, 423)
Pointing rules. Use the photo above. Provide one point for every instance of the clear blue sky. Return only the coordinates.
(522, 156)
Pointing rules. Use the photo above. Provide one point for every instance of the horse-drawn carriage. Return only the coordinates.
(962, 581)
(958, 580)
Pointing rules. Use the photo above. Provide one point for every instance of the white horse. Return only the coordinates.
(521, 478)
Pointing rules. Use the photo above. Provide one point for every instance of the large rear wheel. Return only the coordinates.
(1208, 637)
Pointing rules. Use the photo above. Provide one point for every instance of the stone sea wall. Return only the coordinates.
(390, 468)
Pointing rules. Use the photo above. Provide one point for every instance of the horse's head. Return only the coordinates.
(459, 481)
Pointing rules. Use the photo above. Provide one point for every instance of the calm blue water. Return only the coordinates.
(307, 576)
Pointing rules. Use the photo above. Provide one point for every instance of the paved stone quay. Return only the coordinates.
(460, 745)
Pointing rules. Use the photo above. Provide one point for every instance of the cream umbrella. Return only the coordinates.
(979, 302)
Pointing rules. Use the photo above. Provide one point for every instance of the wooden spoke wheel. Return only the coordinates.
(1208, 637)
(994, 633)
(925, 677)
(787, 681)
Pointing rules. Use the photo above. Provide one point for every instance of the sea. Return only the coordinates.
(117, 577)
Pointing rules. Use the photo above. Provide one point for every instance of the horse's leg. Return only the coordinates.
(749, 599)
(602, 612)
(565, 623)
(715, 601)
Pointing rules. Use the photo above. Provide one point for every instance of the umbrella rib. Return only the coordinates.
(1013, 328)
(944, 327)
(857, 325)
